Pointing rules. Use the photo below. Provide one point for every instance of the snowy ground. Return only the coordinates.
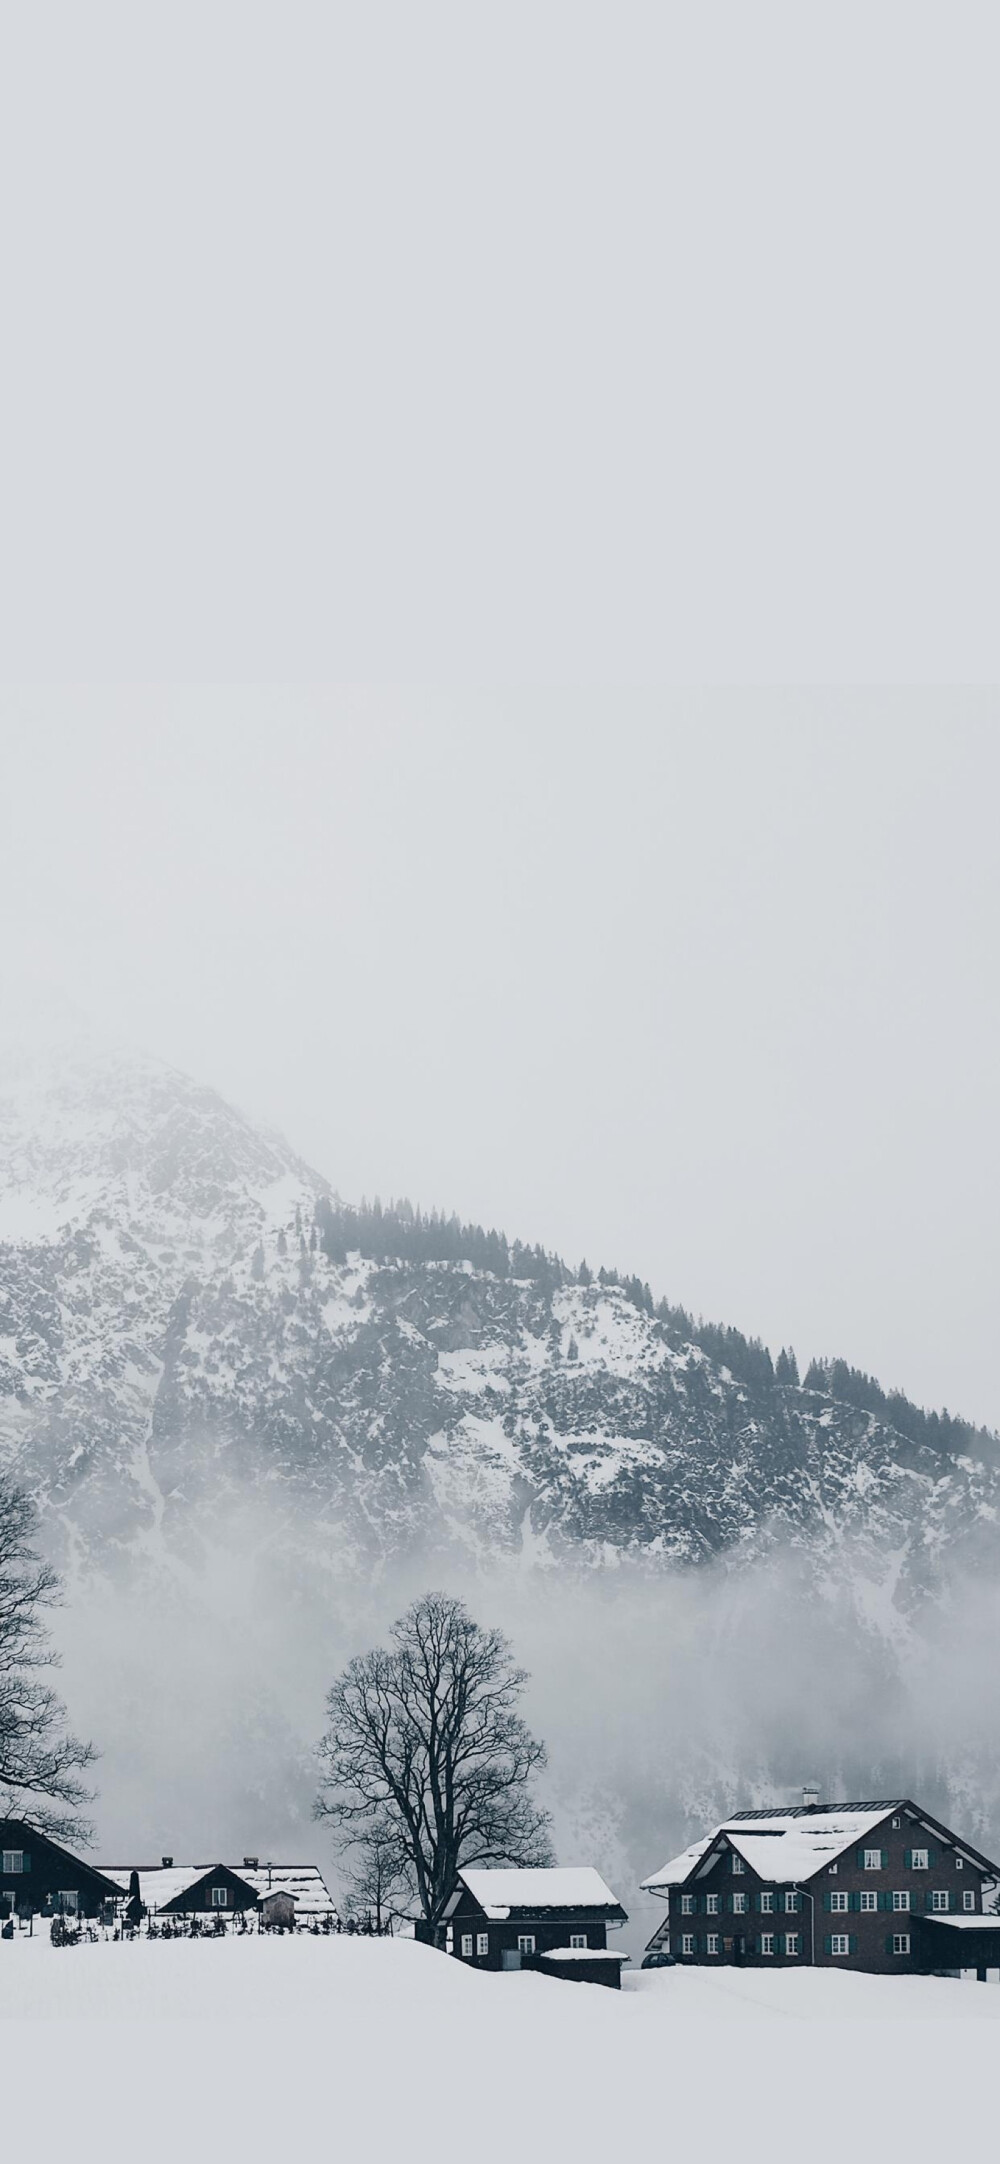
(367, 2049)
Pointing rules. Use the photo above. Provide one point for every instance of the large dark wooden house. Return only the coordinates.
(878, 1886)
(38, 1877)
(553, 1920)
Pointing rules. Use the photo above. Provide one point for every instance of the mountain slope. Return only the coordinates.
(184, 1366)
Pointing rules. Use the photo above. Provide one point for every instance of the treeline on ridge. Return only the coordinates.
(398, 1232)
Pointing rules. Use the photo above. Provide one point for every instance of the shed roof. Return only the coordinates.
(573, 1887)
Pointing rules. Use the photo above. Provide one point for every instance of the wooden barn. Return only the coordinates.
(553, 1920)
(880, 1886)
(38, 1877)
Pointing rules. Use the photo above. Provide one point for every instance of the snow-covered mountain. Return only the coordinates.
(180, 1358)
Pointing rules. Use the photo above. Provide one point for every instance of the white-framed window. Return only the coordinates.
(711, 1904)
(578, 1938)
(791, 1942)
(839, 1902)
(939, 1902)
(901, 1942)
(687, 1942)
(840, 1943)
(791, 1904)
(220, 1897)
(767, 1942)
(526, 1943)
(919, 1859)
(896, 1823)
(739, 1904)
(873, 1859)
(833, 1869)
(960, 1863)
(901, 1900)
(969, 1901)
(767, 1904)
(868, 1901)
(482, 1943)
(687, 1904)
(466, 1946)
(712, 1942)
(738, 1865)
(13, 1861)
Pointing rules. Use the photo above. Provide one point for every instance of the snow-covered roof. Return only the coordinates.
(159, 1884)
(573, 1887)
(582, 1953)
(965, 1923)
(782, 1847)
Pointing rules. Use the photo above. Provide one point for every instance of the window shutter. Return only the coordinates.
(828, 1944)
(885, 1859)
(859, 1858)
(852, 1943)
(885, 1901)
(854, 1901)
(908, 1859)
(826, 1902)
(888, 1943)
(928, 1903)
(26, 1860)
(932, 1859)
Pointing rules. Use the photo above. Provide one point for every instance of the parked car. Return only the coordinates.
(659, 1960)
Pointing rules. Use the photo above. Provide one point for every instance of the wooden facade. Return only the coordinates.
(220, 1891)
(874, 1901)
(38, 1877)
(486, 1931)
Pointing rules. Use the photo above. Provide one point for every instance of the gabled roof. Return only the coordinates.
(787, 1846)
(499, 1893)
(781, 1846)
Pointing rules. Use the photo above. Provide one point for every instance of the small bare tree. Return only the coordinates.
(40, 1762)
(379, 1881)
(424, 1740)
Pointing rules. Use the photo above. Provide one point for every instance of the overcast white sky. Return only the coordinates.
(703, 985)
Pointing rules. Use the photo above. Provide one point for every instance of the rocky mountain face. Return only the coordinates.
(181, 1363)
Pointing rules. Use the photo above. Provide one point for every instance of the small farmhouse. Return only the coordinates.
(38, 1877)
(221, 1889)
(880, 1886)
(554, 1920)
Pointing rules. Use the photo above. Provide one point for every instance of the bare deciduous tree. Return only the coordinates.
(424, 1739)
(40, 1762)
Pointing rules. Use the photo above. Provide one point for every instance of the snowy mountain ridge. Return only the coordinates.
(178, 1356)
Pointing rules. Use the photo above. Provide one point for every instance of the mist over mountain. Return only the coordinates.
(255, 1419)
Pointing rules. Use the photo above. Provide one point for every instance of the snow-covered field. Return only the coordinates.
(372, 2049)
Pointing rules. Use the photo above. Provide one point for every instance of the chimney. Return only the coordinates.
(250, 1863)
(166, 1862)
(810, 1797)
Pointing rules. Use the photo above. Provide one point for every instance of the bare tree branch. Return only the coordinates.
(40, 1762)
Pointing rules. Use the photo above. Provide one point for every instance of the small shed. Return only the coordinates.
(552, 1919)
(277, 1910)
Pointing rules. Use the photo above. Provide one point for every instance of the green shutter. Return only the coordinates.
(888, 1943)
(26, 1860)
(932, 1857)
(928, 1904)
(885, 1901)
(854, 1901)
(885, 1859)
(908, 1859)
(828, 1944)
(826, 1902)
(852, 1943)
(859, 1858)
